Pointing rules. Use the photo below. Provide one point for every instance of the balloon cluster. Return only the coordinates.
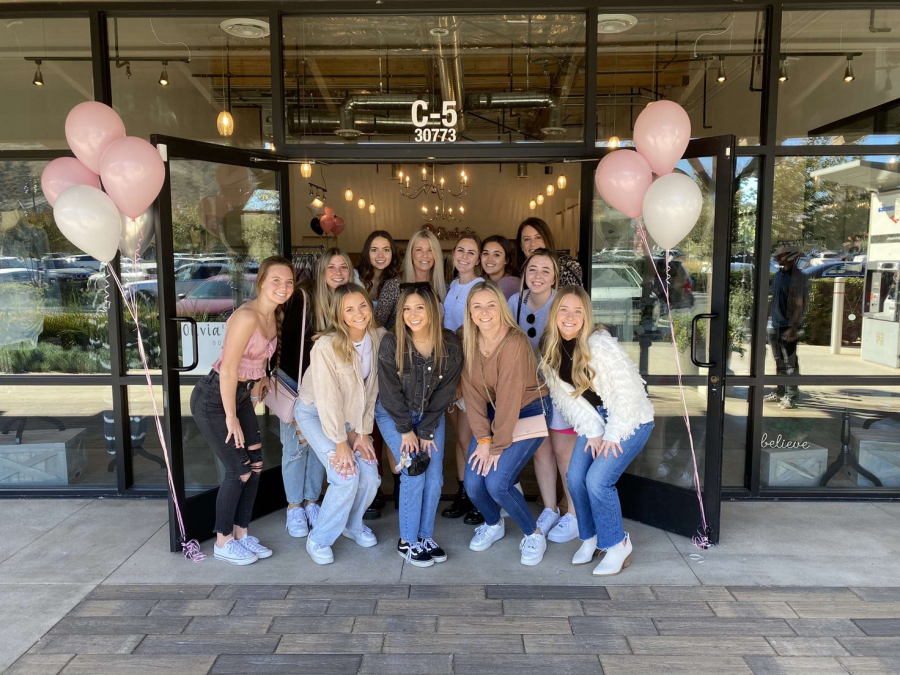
(131, 173)
(324, 220)
(671, 204)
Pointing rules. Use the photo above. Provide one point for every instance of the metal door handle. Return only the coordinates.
(193, 324)
(697, 317)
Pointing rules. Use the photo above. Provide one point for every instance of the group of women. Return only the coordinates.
(507, 351)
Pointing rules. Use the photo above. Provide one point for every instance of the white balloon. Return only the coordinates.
(672, 206)
(88, 218)
(136, 233)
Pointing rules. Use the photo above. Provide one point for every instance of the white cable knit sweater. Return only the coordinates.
(617, 382)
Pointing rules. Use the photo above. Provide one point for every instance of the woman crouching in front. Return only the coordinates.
(500, 386)
(598, 390)
(419, 366)
(335, 412)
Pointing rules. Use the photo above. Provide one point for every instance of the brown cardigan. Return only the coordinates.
(517, 387)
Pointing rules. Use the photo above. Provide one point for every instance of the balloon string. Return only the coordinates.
(190, 549)
(701, 539)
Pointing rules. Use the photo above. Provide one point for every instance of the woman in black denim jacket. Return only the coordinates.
(420, 364)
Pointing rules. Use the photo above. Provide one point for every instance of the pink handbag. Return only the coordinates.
(280, 397)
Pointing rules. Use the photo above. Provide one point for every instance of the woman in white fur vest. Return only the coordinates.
(598, 390)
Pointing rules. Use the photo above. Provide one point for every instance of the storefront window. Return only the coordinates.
(56, 437)
(53, 316)
(709, 62)
(177, 76)
(833, 267)
(836, 73)
(799, 444)
(742, 265)
(45, 70)
(514, 78)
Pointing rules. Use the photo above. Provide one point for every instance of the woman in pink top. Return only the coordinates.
(223, 405)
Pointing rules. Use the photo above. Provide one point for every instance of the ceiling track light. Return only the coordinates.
(38, 80)
(782, 70)
(848, 71)
(721, 76)
(164, 75)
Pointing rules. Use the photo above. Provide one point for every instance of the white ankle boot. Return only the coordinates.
(616, 559)
(587, 552)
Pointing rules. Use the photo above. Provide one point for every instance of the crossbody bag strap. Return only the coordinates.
(302, 336)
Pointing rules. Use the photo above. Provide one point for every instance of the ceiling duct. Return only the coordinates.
(522, 99)
(445, 37)
(347, 127)
(303, 121)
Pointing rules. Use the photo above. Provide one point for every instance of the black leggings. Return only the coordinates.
(234, 503)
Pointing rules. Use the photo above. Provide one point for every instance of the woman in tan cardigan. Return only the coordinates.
(335, 412)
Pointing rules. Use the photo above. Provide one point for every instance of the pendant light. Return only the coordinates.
(782, 71)
(540, 198)
(561, 181)
(550, 189)
(613, 141)
(306, 169)
(361, 204)
(38, 80)
(348, 195)
(721, 76)
(532, 205)
(848, 71)
(164, 75)
(225, 122)
(372, 208)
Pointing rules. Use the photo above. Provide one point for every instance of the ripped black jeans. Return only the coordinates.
(234, 503)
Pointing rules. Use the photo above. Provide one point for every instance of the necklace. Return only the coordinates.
(421, 342)
(563, 345)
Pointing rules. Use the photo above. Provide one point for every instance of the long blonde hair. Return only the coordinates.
(437, 280)
(342, 343)
(325, 295)
(435, 327)
(551, 341)
(471, 332)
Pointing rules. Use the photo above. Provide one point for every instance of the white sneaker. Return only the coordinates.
(547, 520)
(565, 530)
(616, 559)
(232, 552)
(320, 553)
(252, 544)
(485, 535)
(297, 524)
(533, 546)
(587, 552)
(312, 513)
(518, 486)
(366, 538)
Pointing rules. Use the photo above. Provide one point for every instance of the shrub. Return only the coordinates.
(818, 319)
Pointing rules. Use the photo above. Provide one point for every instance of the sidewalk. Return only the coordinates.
(675, 609)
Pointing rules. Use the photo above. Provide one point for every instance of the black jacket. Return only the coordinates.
(291, 330)
(420, 390)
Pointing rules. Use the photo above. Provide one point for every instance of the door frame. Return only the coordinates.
(670, 507)
(198, 510)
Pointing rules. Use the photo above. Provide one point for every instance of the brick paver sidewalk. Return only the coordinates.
(322, 629)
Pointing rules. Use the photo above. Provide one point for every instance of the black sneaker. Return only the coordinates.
(379, 501)
(372, 513)
(460, 506)
(414, 554)
(436, 552)
(474, 517)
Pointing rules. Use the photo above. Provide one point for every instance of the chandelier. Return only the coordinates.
(433, 185)
(441, 213)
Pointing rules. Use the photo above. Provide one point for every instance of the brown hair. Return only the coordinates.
(367, 270)
(474, 237)
(510, 269)
(435, 326)
(542, 228)
(323, 294)
(261, 274)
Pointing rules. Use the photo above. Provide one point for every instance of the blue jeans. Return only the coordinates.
(346, 499)
(419, 495)
(490, 493)
(592, 484)
(301, 471)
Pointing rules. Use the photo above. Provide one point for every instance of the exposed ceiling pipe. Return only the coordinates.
(445, 37)
(522, 99)
(347, 127)
(309, 121)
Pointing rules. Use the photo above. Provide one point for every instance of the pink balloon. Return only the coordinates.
(623, 178)
(661, 134)
(338, 226)
(64, 172)
(329, 212)
(91, 127)
(133, 174)
(327, 224)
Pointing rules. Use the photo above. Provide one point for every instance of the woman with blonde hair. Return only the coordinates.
(598, 390)
(500, 386)
(423, 262)
(335, 411)
(420, 363)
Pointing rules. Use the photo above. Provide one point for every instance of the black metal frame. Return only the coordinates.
(767, 152)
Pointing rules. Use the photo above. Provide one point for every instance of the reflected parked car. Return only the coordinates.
(839, 268)
(617, 299)
(215, 298)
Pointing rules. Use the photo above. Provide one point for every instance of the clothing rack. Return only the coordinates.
(305, 259)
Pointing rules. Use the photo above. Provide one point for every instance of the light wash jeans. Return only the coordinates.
(592, 484)
(419, 495)
(301, 472)
(490, 493)
(346, 499)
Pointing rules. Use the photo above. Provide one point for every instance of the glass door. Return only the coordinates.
(221, 212)
(627, 296)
